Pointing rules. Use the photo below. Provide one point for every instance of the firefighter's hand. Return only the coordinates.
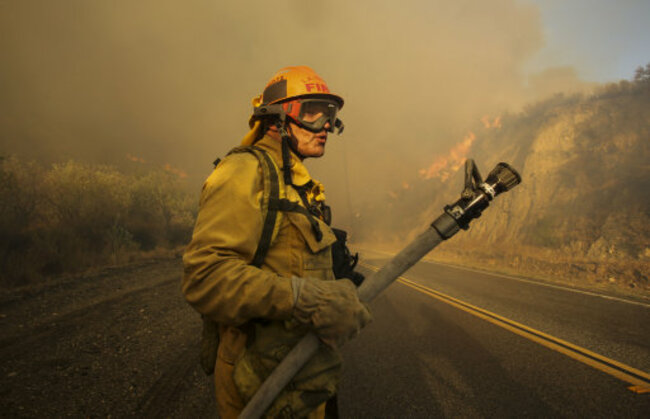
(331, 308)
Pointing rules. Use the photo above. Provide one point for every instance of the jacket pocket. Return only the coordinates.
(304, 227)
(316, 255)
(320, 260)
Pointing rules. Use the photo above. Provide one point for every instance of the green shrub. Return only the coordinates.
(75, 215)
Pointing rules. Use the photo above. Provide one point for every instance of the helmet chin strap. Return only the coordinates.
(287, 145)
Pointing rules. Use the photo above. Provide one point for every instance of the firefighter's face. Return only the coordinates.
(307, 143)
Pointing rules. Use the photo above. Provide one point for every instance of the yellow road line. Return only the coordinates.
(538, 283)
(639, 380)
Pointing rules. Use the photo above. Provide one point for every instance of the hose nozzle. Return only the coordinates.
(476, 196)
(502, 178)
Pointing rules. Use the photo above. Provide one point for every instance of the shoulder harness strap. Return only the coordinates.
(271, 194)
(272, 203)
(275, 203)
(291, 206)
(271, 187)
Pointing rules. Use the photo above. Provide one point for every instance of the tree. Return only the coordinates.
(642, 75)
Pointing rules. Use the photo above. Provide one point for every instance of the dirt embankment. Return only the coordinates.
(625, 278)
(120, 342)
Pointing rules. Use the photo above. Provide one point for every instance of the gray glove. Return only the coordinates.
(331, 308)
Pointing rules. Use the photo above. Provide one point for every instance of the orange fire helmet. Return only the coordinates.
(297, 82)
(295, 92)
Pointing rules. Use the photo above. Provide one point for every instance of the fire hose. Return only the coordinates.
(475, 197)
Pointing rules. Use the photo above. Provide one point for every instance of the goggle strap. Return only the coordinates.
(339, 126)
(269, 110)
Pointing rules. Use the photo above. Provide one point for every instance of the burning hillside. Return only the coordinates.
(579, 210)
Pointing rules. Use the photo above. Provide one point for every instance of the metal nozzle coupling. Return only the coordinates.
(503, 178)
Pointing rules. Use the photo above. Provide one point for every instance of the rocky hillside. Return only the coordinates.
(583, 208)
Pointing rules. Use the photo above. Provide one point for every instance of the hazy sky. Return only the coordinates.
(170, 81)
(602, 39)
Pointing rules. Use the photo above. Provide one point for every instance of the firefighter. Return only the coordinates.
(259, 265)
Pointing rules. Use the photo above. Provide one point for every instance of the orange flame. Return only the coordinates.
(134, 158)
(496, 123)
(445, 166)
(178, 172)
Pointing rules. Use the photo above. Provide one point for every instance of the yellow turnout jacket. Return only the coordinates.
(253, 306)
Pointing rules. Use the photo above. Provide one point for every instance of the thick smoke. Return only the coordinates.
(170, 82)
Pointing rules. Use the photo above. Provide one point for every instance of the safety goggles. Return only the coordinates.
(314, 113)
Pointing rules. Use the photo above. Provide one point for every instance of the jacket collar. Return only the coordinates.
(299, 173)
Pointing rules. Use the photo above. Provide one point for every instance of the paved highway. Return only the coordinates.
(451, 342)
(446, 342)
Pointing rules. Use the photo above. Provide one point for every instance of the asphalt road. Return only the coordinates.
(423, 357)
(122, 342)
